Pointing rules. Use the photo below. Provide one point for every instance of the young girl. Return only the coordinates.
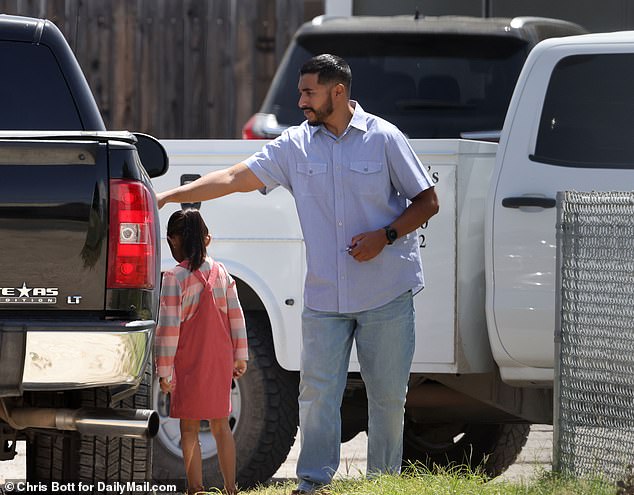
(201, 345)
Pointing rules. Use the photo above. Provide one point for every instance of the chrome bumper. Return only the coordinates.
(82, 355)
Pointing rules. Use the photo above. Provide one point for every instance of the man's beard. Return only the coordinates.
(321, 114)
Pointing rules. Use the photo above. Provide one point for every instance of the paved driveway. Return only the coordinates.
(535, 456)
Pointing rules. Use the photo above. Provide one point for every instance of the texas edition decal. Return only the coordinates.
(28, 295)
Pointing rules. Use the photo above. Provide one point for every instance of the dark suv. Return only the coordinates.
(434, 77)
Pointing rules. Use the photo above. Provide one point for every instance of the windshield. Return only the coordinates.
(429, 85)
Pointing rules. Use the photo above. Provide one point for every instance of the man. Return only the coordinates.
(351, 175)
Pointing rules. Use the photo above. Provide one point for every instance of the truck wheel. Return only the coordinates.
(491, 448)
(264, 419)
(63, 456)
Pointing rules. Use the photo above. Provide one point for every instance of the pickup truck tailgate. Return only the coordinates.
(53, 220)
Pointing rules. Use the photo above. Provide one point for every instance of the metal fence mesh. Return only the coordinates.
(594, 372)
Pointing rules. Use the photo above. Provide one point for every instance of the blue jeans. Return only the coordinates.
(385, 346)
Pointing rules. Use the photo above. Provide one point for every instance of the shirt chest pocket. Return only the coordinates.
(312, 179)
(367, 177)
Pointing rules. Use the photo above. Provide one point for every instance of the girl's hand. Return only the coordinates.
(239, 368)
(166, 387)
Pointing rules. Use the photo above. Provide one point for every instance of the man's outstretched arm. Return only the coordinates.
(237, 178)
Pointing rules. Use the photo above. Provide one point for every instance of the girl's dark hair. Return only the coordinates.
(190, 226)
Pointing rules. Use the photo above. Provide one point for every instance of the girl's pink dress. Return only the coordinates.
(203, 379)
(205, 352)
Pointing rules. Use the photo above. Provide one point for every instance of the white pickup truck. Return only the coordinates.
(483, 366)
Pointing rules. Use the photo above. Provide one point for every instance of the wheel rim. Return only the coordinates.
(169, 432)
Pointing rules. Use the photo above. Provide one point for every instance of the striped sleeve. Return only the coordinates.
(234, 314)
(236, 320)
(168, 329)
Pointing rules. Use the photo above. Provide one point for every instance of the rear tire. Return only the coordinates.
(70, 456)
(489, 448)
(264, 419)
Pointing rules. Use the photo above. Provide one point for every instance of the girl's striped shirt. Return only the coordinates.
(180, 293)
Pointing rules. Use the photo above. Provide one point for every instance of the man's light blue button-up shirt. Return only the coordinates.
(343, 186)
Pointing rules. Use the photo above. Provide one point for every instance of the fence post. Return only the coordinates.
(556, 383)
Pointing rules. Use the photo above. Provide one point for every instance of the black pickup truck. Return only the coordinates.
(79, 269)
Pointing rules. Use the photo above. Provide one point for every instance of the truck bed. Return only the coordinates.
(260, 241)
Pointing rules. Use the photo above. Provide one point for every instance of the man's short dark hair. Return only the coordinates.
(329, 69)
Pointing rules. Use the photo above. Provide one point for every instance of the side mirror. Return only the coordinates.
(152, 154)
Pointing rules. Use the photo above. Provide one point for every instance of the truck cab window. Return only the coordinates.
(434, 85)
(587, 119)
(34, 95)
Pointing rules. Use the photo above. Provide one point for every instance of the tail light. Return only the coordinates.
(248, 131)
(262, 126)
(132, 246)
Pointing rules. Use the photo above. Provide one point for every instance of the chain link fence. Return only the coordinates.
(594, 361)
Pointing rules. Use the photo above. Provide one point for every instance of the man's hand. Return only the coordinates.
(365, 246)
(239, 368)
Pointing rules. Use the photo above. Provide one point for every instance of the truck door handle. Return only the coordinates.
(520, 201)
(186, 179)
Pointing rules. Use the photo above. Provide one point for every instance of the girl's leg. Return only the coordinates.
(226, 452)
(191, 454)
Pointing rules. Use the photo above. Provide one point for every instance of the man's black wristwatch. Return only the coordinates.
(391, 234)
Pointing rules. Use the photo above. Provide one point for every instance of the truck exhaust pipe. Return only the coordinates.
(131, 423)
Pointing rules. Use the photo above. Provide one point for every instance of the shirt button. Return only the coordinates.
(340, 224)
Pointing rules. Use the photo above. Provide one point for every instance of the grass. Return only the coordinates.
(420, 481)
